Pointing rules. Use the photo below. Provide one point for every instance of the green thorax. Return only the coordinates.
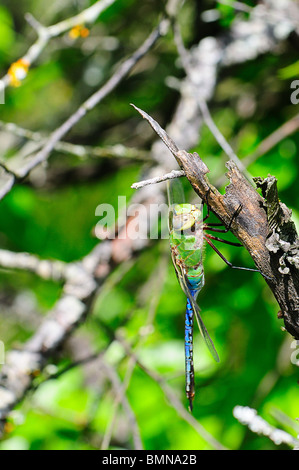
(186, 237)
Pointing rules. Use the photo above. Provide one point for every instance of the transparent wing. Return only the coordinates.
(175, 192)
(204, 332)
(176, 196)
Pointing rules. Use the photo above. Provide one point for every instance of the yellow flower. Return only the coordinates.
(17, 72)
(78, 31)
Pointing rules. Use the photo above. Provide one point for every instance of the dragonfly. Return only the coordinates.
(187, 234)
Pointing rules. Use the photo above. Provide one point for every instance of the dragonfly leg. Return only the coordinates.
(208, 205)
(228, 262)
(221, 240)
(206, 226)
(212, 229)
(235, 214)
(219, 224)
(209, 226)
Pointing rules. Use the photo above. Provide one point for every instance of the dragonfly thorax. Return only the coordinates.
(185, 216)
(186, 235)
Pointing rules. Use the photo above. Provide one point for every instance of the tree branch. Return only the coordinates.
(22, 169)
(249, 417)
(46, 33)
(80, 151)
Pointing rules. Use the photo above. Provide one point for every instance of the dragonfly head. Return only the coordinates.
(185, 216)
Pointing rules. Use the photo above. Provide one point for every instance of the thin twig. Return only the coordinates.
(80, 151)
(288, 128)
(158, 277)
(185, 59)
(117, 385)
(46, 269)
(35, 24)
(159, 179)
(173, 399)
(95, 99)
(46, 33)
(249, 417)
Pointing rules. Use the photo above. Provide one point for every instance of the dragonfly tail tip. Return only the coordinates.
(190, 404)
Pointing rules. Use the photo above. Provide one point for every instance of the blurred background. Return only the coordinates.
(52, 214)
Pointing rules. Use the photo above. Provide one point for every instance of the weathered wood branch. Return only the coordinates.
(263, 225)
(283, 246)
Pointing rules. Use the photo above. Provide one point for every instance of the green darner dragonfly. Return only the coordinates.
(187, 235)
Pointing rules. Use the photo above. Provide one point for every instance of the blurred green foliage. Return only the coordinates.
(57, 221)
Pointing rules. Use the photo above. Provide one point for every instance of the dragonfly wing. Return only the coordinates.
(204, 332)
(175, 192)
(175, 196)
